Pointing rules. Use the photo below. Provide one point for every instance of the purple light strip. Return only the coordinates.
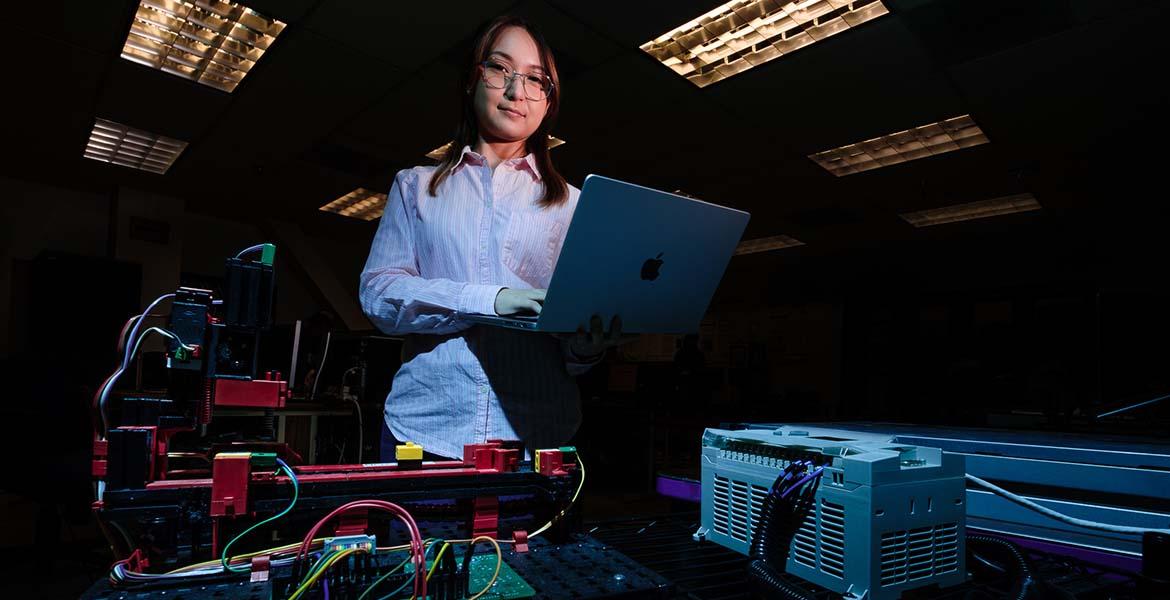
(1112, 560)
(682, 489)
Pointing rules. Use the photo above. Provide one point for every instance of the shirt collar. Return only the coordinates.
(526, 163)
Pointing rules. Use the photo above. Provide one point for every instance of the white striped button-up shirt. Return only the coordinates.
(436, 258)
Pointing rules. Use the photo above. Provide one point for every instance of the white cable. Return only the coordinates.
(1026, 503)
(361, 427)
(138, 323)
(352, 398)
(321, 367)
(250, 249)
(121, 369)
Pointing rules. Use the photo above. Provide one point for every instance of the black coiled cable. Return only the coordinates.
(773, 533)
(1026, 584)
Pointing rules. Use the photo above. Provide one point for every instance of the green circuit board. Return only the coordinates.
(507, 586)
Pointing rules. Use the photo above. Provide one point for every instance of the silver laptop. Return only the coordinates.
(651, 257)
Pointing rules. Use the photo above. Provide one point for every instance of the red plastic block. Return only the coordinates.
(352, 523)
(479, 455)
(230, 474)
(256, 393)
(100, 452)
(551, 463)
(486, 517)
(505, 461)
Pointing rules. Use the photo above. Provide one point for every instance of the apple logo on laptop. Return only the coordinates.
(650, 267)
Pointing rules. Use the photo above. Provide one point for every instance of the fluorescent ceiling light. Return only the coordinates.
(742, 34)
(123, 145)
(775, 242)
(973, 210)
(911, 144)
(437, 153)
(359, 204)
(210, 41)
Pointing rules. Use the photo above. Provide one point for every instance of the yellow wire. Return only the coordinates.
(331, 561)
(543, 528)
(495, 542)
(434, 564)
(580, 484)
(499, 562)
(239, 557)
(308, 584)
(468, 541)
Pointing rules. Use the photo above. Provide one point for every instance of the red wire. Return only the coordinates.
(416, 545)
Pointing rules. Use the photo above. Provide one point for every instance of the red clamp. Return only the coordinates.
(520, 537)
(137, 561)
(260, 568)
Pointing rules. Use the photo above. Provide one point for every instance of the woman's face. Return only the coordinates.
(507, 114)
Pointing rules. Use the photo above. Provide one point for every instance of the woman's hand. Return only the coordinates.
(512, 302)
(587, 346)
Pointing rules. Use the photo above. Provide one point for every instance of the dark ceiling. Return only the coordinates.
(354, 90)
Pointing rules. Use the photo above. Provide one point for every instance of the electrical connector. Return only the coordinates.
(351, 542)
(264, 460)
(408, 455)
(408, 451)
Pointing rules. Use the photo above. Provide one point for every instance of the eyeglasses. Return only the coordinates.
(537, 86)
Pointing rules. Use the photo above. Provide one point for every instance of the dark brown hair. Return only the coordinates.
(556, 189)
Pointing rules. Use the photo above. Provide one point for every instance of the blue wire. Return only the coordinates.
(806, 479)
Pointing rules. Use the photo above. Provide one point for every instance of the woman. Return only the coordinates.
(480, 233)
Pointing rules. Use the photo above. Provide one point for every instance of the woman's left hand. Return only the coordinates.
(589, 345)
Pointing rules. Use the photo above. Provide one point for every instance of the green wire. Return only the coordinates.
(383, 578)
(317, 566)
(296, 494)
(434, 544)
(397, 591)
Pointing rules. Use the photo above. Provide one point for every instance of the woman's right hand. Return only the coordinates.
(512, 302)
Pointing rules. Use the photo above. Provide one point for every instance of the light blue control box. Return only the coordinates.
(885, 518)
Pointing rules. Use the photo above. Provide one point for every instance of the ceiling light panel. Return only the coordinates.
(743, 34)
(775, 242)
(210, 41)
(437, 153)
(123, 145)
(358, 204)
(911, 144)
(973, 210)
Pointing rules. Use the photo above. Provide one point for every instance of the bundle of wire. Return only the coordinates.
(416, 547)
(128, 351)
(121, 572)
(784, 510)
